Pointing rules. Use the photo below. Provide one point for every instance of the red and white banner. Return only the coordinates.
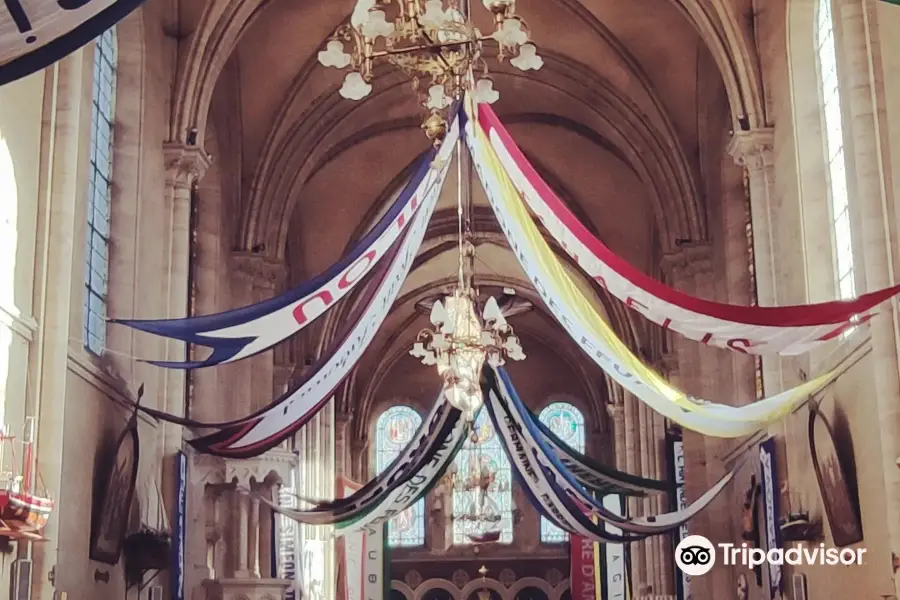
(786, 330)
(584, 576)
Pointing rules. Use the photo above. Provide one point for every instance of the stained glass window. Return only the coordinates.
(832, 119)
(99, 195)
(475, 512)
(567, 423)
(394, 430)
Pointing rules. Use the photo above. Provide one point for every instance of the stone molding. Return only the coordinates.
(753, 149)
(265, 272)
(688, 262)
(185, 165)
(215, 470)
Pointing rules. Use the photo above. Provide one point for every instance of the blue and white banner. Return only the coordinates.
(771, 510)
(286, 415)
(528, 437)
(179, 533)
(34, 34)
(237, 334)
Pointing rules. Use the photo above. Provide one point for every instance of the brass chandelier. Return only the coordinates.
(435, 43)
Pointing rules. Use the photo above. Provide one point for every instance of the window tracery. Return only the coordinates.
(567, 423)
(99, 195)
(394, 430)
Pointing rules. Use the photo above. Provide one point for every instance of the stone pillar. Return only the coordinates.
(632, 447)
(185, 165)
(690, 270)
(617, 414)
(753, 151)
(65, 109)
(342, 431)
(866, 107)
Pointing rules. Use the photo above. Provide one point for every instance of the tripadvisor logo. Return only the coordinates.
(696, 555)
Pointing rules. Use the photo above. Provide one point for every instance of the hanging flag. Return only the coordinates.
(290, 412)
(787, 330)
(595, 475)
(381, 499)
(583, 570)
(528, 438)
(34, 34)
(237, 334)
(570, 307)
(377, 581)
(349, 554)
(616, 578)
(402, 497)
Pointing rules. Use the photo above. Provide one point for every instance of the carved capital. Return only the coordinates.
(617, 412)
(274, 465)
(688, 262)
(753, 149)
(185, 165)
(265, 272)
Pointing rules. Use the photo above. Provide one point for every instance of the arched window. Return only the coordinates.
(394, 430)
(476, 513)
(99, 192)
(832, 118)
(567, 423)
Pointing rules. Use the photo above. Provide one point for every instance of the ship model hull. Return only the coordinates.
(23, 515)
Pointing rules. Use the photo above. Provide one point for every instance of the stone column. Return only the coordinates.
(185, 165)
(617, 414)
(342, 431)
(866, 106)
(65, 109)
(632, 448)
(242, 570)
(753, 151)
(645, 433)
(254, 537)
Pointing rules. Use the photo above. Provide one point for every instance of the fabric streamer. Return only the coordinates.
(594, 475)
(34, 34)
(283, 417)
(404, 496)
(375, 554)
(237, 334)
(596, 338)
(542, 491)
(420, 464)
(529, 436)
(787, 330)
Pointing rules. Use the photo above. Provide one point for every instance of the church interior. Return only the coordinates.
(557, 174)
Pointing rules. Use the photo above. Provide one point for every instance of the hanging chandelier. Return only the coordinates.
(435, 43)
(462, 342)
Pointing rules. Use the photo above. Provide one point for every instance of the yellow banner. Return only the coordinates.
(576, 314)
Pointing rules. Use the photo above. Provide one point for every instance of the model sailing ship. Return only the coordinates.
(23, 514)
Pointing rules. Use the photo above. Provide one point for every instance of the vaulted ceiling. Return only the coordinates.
(626, 118)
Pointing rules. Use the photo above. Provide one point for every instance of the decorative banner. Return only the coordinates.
(583, 574)
(595, 475)
(529, 437)
(676, 445)
(422, 481)
(771, 511)
(349, 552)
(34, 34)
(616, 576)
(290, 412)
(180, 530)
(594, 335)
(787, 330)
(376, 579)
(380, 499)
(244, 332)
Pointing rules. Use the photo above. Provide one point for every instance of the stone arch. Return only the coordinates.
(527, 582)
(404, 589)
(486, 583)
(652, 153)
(440, 584)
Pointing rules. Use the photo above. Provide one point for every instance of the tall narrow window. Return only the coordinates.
(567, 423)
(99, 192)
(834, 151)
(481, 510)
(394, 430)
